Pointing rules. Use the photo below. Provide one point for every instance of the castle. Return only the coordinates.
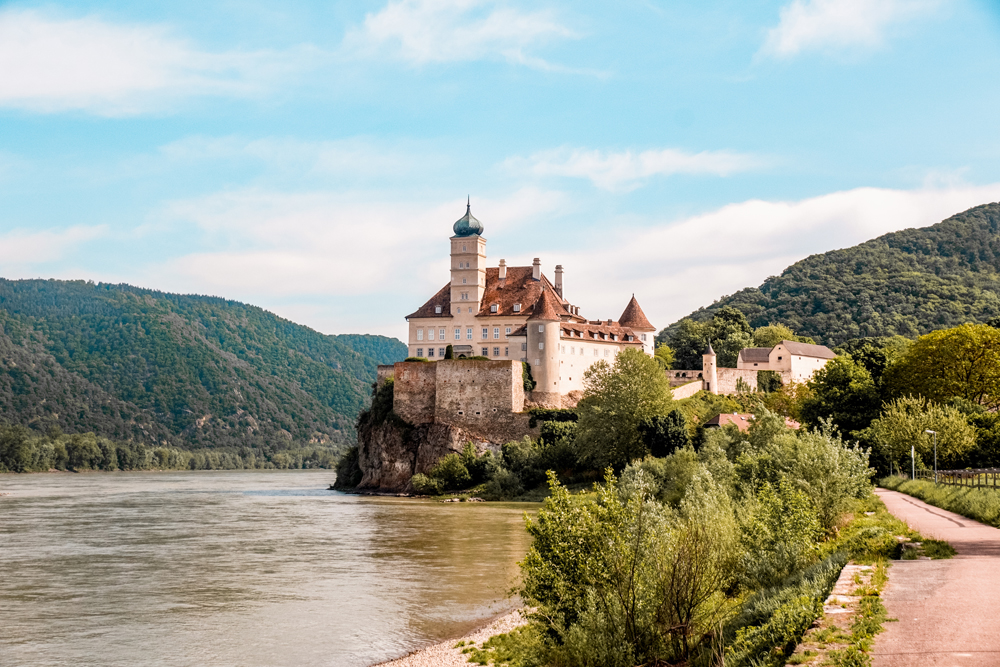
(515, 314)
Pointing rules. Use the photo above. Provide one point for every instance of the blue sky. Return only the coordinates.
(311, 157)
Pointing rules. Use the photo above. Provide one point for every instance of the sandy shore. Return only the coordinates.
(446, 655)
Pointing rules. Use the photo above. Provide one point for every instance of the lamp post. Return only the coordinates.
(934, 433)
(913, 463)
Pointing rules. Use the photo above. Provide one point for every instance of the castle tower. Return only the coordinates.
(635, 319)
(468, 262)
(710, 375)
(544, 326)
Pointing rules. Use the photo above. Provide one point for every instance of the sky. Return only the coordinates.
(311, 157)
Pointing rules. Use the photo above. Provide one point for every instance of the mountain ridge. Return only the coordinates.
(907, 282)
(182, 370)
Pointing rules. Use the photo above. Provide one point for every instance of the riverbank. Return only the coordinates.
(447, 654)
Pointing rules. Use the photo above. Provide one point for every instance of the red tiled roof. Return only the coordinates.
(634, 318)
(547, 307)
(599, 331)
(519, 287)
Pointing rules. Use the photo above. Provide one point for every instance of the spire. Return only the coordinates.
(709, 350)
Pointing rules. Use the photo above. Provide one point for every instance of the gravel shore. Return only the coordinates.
(446, 655)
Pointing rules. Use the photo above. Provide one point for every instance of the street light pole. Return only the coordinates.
(934, 433)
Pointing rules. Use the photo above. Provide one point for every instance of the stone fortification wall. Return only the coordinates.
(687, 390)
(414, 391)
(679, 377)
(729, 376)
(484, 398)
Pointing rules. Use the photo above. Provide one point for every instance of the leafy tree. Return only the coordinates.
(452, 473)
(663, 434)
(844, 392)
(779, 528)
(730, 332)
(688, 341)
(963, 361)
(664, 355)
(616, 400)
(772, 334)
(449, 352)
(904, 422)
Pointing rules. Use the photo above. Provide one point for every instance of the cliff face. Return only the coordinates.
(390, 453)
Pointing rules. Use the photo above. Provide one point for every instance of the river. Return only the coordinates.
(219, 569)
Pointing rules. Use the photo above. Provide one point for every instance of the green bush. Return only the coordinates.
(542, 415)
(504, 485)
(428, 486)
(452, 473)
(552, 431)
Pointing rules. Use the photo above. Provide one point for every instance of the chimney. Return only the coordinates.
(559, 272)
(536, 269)
(503, 270)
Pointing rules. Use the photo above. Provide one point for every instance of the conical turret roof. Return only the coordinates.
(547, 307)
(634, 318)
(709, 350)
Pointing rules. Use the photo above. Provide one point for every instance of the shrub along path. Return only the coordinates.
(946, 609)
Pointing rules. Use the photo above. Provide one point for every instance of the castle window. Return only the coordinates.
(464, 281)
(572, 350)
(607, 353)
(517, 308)
(524, 347)
(458, 334)
(496, 333)
(430, 352)
(536, 361)
(779, 358)
(595, 351)
(496, 352)
(507, 332)
(430, 334)
(486, 352)
(441, 351)
(420, 351)
(468, 333)
(463, 248)
(420, 334)
(541, 329)
(494, 308)
(437, 310)
(506, 352)
(441, 334)
(486, 332)
(541, 346)
(643, 338)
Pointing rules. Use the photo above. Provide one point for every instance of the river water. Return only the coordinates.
(218, 569)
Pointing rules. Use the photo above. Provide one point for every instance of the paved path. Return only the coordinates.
(948, 610)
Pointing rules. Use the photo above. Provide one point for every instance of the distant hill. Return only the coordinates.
(908, 283)
(188, 371)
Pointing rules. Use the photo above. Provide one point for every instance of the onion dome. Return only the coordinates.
(467, 225)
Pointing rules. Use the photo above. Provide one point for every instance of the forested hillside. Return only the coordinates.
(186, 371)
(907, 283)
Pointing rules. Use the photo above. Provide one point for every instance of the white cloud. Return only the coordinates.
(54, 64)
(677, 267)
(626, 170)
(22, 248)
(435, 31)
(837, 24)
(274, 249)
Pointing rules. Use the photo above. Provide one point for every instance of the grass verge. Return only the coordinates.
(979, 504)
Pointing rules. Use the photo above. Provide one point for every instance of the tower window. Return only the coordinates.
(420, 334)
(541, 328)
(517, 308)
(643, 337)
(463, 248)
(541, 346)
(464, 281)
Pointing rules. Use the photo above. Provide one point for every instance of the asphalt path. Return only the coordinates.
(948, 611)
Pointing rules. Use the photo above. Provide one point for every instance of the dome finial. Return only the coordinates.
(467, 225)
